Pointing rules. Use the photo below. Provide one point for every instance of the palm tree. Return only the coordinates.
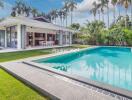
(119, 3)
(27, 11)
(94, 10)
(72, 6)
(126, 5)
(60, 14)
(34, 12)
(131, 13)
(66, 10)
(54, 15)
(114, 2)
(107, 3)
(102, 5)
(1, 4)
(64, 16)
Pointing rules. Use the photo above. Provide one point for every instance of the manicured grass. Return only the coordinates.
(25, 54)
(80, 46)
(22, 54)
(12, 89)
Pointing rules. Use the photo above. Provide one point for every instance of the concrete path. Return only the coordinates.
(49, 83)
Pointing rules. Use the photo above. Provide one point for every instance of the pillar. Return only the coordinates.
(21, 36)
(70, 38)
(60, 39)
(5, 38)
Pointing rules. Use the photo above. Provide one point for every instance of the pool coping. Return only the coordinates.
(107, 87)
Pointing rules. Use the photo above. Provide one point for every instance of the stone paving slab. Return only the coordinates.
(49, 83)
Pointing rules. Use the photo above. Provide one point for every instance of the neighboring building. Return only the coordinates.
(21, 33)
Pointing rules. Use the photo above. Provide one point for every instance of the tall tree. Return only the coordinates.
(94, 9)
(102, 5)
(66, 10)
(54, 15)
(126, 5)
(60, 13)
(131, 13)
(72, 6)
(114, 2)
(107, 3)
(34, 12)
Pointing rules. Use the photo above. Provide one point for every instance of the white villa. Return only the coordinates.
(22, 33)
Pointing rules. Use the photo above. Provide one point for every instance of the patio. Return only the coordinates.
(64, 89)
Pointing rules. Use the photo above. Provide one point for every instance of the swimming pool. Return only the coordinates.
(109, 65)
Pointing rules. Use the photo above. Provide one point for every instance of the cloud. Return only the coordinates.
(86, 5)
(4, 12)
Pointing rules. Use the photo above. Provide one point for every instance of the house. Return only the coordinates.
(22, 33)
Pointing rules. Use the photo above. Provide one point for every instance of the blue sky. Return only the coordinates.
(80, 15)
(42, 5)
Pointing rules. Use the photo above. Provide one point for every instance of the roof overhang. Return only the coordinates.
(32, 23)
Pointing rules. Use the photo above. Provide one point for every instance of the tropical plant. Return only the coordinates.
(72, 6)
(60, 13)
(94, 9)
(20, 8)
(126, 5)
(34, 12)
(128, 36)
(114, 2)
(102, 6)
(75, 26)
(66, 10)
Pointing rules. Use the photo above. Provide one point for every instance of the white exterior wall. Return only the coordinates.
(21, 36)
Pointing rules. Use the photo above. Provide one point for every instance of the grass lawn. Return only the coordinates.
(22, 54)
(12, 89)
(25, 54)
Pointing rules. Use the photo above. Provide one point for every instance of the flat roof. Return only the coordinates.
(32, 23)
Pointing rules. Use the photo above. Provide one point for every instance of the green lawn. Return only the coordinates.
(12, 89)
(22, 54)
(25, 54)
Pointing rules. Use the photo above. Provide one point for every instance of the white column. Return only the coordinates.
(45, 36)
(19, 38)
(5, 38)
(66, 37)
(23, 36)
(60, 39)
(70, 38)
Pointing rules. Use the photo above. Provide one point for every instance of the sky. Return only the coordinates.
(81, 14)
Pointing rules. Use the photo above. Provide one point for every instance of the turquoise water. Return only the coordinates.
(110, 65)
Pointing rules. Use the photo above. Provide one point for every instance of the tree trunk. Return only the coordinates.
(71, 17)
(119, 10)
(99, 15)
(108, 14)
(66, 20)
(126, 19)
(103, 16)
(131, 14)
(114, 15)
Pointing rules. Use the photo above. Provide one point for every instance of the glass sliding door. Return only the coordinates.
(2, 38)
(11, 37)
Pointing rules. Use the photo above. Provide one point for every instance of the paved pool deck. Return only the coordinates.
(52, 85)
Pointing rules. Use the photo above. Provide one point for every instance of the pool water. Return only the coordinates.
(110, 65)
